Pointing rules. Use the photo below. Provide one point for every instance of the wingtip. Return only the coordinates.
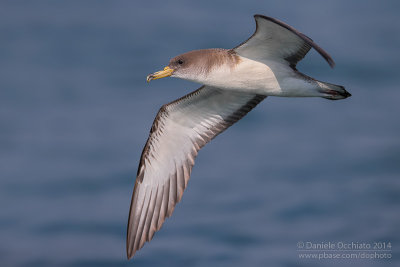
(130, 254)
(261, 15)
(256, 16)
(331, 63)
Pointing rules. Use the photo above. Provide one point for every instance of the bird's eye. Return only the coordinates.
(180, 61)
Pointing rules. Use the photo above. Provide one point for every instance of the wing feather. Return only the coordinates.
(180, 129)
(274, 39)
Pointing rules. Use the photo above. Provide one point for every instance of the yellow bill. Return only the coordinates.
(160, 74)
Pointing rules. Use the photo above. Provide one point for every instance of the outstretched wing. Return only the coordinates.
(179, 130)
(274, 39)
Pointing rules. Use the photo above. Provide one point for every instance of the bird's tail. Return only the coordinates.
(332, 91)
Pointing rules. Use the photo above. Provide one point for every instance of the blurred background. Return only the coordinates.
(75, 113)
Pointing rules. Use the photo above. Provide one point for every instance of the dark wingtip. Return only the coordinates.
(331, 63)
(130, 254)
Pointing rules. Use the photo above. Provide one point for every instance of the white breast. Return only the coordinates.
(248, 75)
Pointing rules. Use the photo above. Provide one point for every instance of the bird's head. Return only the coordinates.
(193, 66)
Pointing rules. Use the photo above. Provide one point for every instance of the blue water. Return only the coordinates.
(75, 112)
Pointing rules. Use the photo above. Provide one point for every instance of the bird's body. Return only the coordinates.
(234, 82)
(269, 78)
(243, 75)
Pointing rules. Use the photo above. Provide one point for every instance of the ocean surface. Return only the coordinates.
(75, 113)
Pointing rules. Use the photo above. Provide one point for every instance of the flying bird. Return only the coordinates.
(234, 81)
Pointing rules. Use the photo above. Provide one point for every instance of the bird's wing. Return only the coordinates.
(274, 39)
(179, 130)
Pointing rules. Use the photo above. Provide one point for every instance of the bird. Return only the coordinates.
(234, 81)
